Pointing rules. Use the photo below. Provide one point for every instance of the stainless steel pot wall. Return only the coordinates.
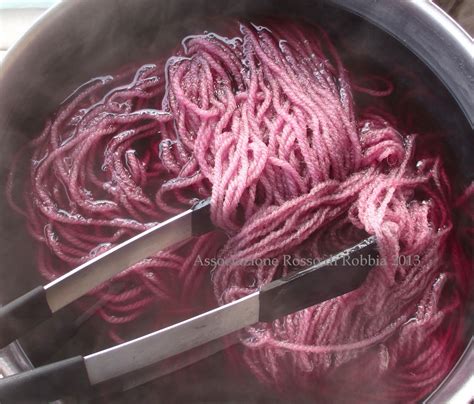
(432, 35)
(77, 40)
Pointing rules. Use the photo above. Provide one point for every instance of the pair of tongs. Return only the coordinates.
(77, 376)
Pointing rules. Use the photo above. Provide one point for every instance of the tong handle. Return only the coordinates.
(23, 314)
(47, 383)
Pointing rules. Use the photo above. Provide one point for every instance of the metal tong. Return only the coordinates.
(79, 375)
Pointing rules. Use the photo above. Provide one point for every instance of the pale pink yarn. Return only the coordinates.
(265, 124)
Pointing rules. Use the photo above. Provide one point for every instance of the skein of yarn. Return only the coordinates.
(265, 124)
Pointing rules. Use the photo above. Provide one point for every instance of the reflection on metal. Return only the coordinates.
(85, 277)
(172, 340)
(13, 360)
(458, 386)
(433, 36)
(22, 4)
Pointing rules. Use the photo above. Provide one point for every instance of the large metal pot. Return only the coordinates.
(77, 40)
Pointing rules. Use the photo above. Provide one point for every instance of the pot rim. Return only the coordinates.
(435, 38)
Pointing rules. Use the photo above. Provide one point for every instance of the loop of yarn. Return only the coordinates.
(266, 125)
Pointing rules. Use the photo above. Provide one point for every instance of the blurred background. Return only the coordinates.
(16, 16)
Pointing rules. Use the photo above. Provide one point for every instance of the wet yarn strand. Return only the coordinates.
(264, 123)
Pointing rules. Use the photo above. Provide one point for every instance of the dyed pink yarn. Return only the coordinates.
(265, 124)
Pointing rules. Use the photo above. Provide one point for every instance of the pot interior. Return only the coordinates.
(86, 39)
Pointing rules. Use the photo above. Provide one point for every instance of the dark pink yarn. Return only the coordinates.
(265, 124)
